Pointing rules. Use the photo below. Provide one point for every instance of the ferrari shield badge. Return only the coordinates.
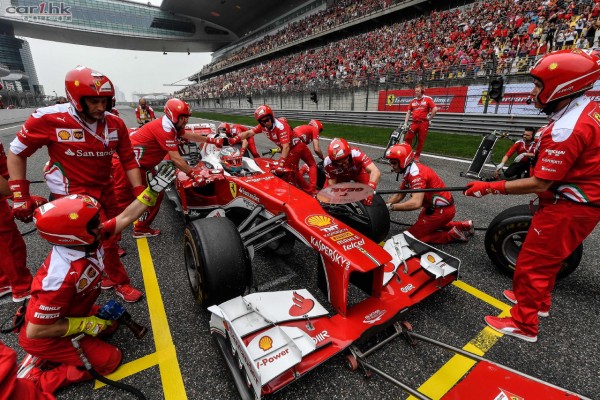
(233, 189)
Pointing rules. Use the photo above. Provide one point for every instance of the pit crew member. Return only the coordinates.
(524, 149)
(81, 138)
(232, 130)
(345, 164)
(67, 285)
(423, 109)
(144, 113)
(566, 179)
(10, 386)
(307, 134)
(434, 224)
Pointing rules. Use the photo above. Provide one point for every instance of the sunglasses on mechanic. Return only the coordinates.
(396, 164)
(264, 120)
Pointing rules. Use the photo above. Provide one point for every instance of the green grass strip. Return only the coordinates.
(445, 144)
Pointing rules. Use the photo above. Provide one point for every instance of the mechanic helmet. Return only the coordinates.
(403, 153)
(264, 111)
(85, 82)
(231, 159)
(224, 129)
(175, 108)
(317, 124)
(565, 73)
(338, 149)
(68, 221)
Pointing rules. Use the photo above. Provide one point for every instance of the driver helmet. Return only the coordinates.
(403, 153)
(231, 159)
(85, 82)
(68, 221)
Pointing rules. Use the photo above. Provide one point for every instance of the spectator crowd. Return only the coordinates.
(497, 36)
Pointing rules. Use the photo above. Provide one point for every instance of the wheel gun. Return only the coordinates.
(115, 312)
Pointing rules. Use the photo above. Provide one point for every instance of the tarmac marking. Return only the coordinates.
(458, 366)
(10, 127)
(130, 368)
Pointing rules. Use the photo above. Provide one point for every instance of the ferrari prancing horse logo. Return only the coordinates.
(233, 189)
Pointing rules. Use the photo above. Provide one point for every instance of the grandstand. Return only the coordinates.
(339, 48)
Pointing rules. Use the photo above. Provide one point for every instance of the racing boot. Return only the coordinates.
(145, 232)
(465, 227)
(457, 235)
(508, 326)
(128, 293)
(4, 290)
(510, 296)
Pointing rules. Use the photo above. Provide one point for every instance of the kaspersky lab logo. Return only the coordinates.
(44, 11)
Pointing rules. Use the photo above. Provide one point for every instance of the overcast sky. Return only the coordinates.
(131, 71)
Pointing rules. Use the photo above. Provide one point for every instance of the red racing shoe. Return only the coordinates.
(145, 232)
(510, 296)
(508, 327)
(128, 293)
(457, 235)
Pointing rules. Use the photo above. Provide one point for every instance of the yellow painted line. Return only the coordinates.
(130, 368)
(458, 366)
(172, 381)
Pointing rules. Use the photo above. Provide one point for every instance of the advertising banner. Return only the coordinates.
(450, 99)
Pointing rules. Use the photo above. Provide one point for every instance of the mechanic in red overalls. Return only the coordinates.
(144, 113)
(423, 110)
(280, 133)
(81, 137)
(309, 134)
(67, 285)
(345, 164)
(566, 179)
(232, 130)
(524, 149)
(12, 388)
(434, 224)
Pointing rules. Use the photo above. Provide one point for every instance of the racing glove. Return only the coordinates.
(480, 189)
(23, 204)
(234, 140)
(89, 325)
(499, 166)
(369, 200)
(157, 184)
(216, 141)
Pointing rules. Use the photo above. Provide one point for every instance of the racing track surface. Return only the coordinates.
(179, 359)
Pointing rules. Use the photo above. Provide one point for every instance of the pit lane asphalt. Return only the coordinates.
(566, 353)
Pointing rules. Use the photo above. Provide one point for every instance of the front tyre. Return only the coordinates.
(505, 236)
(372, 221)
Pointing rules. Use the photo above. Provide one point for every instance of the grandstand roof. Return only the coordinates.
(238, 16)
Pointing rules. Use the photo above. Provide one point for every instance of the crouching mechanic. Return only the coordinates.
(67, 285)
(345, 164)
(525, 154)
(434, 224)
(151, 143)
(566, 179)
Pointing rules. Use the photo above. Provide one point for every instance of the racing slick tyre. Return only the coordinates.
(320, 175)
(372, 221)
(506, 234)
(218, 270)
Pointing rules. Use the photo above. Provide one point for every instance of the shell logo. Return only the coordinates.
(318, 220)
(553, 66)
(76, 83)
(64, 135)
(73, 216)
(265, 343)
(430, 258)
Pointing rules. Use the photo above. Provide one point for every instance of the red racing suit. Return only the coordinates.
(114, 111)
(67, 285)
(420, 109)
(568, 155)
(80, 162)
(151, 143)
(236, 129)
(13, 262)
(435, 219)
(306, 134)
(12, 388)
(144, 115)
(356, 173)
(517, 168)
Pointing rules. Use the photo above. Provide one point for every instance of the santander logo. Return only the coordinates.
(301, 306)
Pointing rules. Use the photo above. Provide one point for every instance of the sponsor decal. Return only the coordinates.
(264, 178)
(48, 308)
(63, 135)
(78, 134)
(268, 360)
(82, 283)
(556, 153)
(356, 244)
(39, 315)
(323, 222)
(70, 135)
(301, 305)
(249, 195)
(451, 99)
(339, 237)
(552, 161)
(333, 255)
(73, 216)
(45, 11)
(233, 189)
(90, 272)
(265, 343)
(430, 258)
(373, 317)
(321, 336)
(548, 169)
(410, 286)
(506, 395)
(81, 153)
(69, 152)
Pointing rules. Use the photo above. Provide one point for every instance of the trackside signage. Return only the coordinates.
(56, 11)
(450, 99)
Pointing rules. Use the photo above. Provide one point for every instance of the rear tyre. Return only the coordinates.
(506, 234)
(217, 270)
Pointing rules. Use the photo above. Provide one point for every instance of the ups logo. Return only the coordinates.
(64, 135)
(78, 135)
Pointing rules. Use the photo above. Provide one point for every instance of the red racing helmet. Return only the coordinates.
(401, 152)
(68, 221)
(565, 73)
(231, 159)
(85, 82)
(263, 111)
(317, 124)
(224, 129)
(338, 149)
(175, 108)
